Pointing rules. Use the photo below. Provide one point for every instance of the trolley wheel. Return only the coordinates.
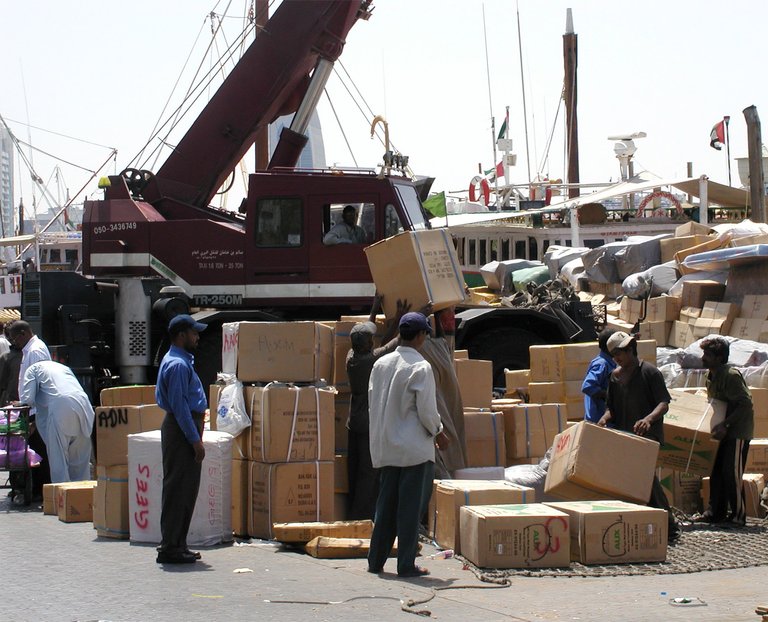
(28, 488)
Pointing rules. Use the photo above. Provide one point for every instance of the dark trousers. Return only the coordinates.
(363, 478)
(181, 481)
(726, 489)
(659, 500)
(403, 497)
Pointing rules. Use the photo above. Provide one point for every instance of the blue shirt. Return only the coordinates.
(179, 390)
(596, 380)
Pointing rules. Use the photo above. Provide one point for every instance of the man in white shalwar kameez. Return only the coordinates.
(64, 418)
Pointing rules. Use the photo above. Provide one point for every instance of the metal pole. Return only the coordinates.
(525, 110)
(703, 200)
(756, 180)
(490, 107)
(727, 120)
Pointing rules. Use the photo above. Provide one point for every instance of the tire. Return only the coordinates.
(506, 346)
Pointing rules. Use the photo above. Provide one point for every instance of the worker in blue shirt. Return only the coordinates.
(595, 385)
(180, 394)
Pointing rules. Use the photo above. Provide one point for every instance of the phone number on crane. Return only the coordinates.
(114, 226)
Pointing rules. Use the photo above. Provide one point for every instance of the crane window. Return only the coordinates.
(392, 224)
(359, 227)
(279, 223)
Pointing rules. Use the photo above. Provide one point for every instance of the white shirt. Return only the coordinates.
(5, 345)
(54, 390)
(33, 352)
(403, 410)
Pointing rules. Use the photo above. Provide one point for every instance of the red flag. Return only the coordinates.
(500, 169)
(717, 136)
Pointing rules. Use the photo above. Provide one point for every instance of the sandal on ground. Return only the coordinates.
(416, 571)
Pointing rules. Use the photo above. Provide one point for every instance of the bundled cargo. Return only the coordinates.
(115, 423)
(75, 501)
(530, 429)
(484, 436)
(110, 502)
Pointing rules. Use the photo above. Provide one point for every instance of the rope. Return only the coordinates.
(338, 121)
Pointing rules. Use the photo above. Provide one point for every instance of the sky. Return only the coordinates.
(103, 71)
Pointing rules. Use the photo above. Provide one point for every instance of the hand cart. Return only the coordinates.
(15, 457)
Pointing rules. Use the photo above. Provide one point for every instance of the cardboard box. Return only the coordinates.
(281, 351)
(340, 473)
(546, 363)
(475, 382)
(240, 497)
(754, 307)
(689, 314)
(688, 446)
(681, 335)
(712, 244)
(289, 492)
(515, 536)
(683, 490)
(517, 380)
(574, 408)
(745, 328)
(716, 317)
(115, 423)
(576, 359)
(49, 501)
(135, 395)
(617, 324)
(299, 533)
(340, 417)
(420, 266)
(342, 344)
(691, 228)
(583, 465)
(76, 505)
(757, 458)
(754, 483)
(760, 405)
(646, 350)
(696, 293)
(630, 310)
(546, 392)
(663, 309)
(110, 502)
(530, 429)
(451, 495)
(484, 436)
(615, 532)
(658, 331)
(57, 492)
(291, 424)
(460, 355)
(670, 246)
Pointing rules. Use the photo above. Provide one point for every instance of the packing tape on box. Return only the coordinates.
(495, 437)
(456, 270)
(695, 434)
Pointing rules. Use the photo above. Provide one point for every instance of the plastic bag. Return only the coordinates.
(231, 415)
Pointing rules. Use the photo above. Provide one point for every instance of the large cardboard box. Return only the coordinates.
(76, 503)
(754, 483)
(760, 404)
(584, 465)
(135, 395)
(716, 317)
(576, 359)
(658, 331)
(240, 497)
(696, 293)
(517, 380)
(746, 328)
(420, 266)
(712, 244)
(110, 502)
(297, 533)
(681, 334)
(475, 382)
(615, 532)
(757, 458)
(289, 492)
(646, 350)
(115, 423)
(57, 493)
(692, 228)
(546, 363)
(530, 429)
(49, 502)
(754, 307)
(689, 314)
(484, 436)
(688, 445)
(290, 423)
(452, 494)
(546, 392)
(670, 246)
(663, 309)
(340, 417)
(683, 490)
(342, 344)
(515, 536)
(630, 310)
(281, 351)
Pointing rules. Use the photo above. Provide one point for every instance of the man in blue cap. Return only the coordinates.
(404, 427)
(181, 395)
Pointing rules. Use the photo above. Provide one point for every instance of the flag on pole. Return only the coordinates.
(503, 130)
(435, 204)
(498, 170)
(717, 136)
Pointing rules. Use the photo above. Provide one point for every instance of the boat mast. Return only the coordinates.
(570, 62)
(490, 106)
(525, 111)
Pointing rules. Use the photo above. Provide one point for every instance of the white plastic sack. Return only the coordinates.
(533, 476)
(572, 272)
(231, 415)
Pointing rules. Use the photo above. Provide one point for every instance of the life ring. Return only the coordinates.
(659, 194)
(485, 189)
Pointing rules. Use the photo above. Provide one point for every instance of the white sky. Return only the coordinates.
(102, 71)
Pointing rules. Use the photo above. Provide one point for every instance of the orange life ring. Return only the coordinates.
(659, 194)
(485, 189)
